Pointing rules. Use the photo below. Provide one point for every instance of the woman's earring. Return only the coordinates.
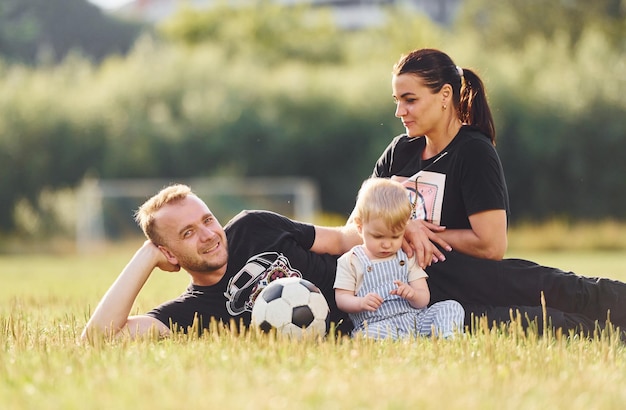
(443, 107)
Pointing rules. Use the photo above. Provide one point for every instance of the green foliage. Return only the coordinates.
(264, 90)
(18, 29)
(263, 30)
(511, 23)
(45, 141)
(45, 31)
(192, 117)
(560, 120)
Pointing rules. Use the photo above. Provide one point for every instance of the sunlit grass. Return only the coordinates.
(561, 235)
(45, 301)
(492, 369)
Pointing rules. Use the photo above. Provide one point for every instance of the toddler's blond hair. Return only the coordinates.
(383, 198)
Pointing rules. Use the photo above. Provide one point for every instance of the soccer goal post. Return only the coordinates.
(106, 206)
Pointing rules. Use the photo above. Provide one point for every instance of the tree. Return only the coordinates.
(273, 32)
(510, 23)
(46, 143)
(36, 30)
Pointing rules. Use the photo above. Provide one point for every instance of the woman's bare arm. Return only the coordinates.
(487, 239)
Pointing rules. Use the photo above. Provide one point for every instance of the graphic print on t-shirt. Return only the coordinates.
(428, 198)
(256, 274)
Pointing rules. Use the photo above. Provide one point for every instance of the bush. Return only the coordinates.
(208, 105)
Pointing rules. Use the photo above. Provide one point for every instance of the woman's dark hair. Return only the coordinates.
(436, 69)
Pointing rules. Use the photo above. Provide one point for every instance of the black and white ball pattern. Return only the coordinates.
(293, 306)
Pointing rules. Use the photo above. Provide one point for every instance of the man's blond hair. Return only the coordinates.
(386, 199)
(144, 216)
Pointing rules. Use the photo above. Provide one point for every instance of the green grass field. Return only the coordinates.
(45, 301)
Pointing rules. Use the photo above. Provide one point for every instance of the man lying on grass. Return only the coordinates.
(229, 265)
(226, 265)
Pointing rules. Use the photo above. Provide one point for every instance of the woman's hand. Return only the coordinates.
(420, 238)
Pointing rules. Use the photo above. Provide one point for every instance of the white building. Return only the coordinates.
(349, 14)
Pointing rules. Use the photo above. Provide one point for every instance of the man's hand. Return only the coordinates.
(420, 239)
(162, 262)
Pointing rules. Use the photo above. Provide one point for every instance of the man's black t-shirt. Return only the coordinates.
(262, 246)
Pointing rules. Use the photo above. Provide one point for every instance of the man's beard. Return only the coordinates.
(199, 265)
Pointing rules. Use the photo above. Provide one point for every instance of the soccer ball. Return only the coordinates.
(293, 306)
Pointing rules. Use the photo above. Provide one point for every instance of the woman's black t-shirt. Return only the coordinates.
(464, 179)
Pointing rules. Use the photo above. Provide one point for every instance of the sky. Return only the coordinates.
(109, 4)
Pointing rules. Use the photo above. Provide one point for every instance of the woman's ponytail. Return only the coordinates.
(473, 106)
